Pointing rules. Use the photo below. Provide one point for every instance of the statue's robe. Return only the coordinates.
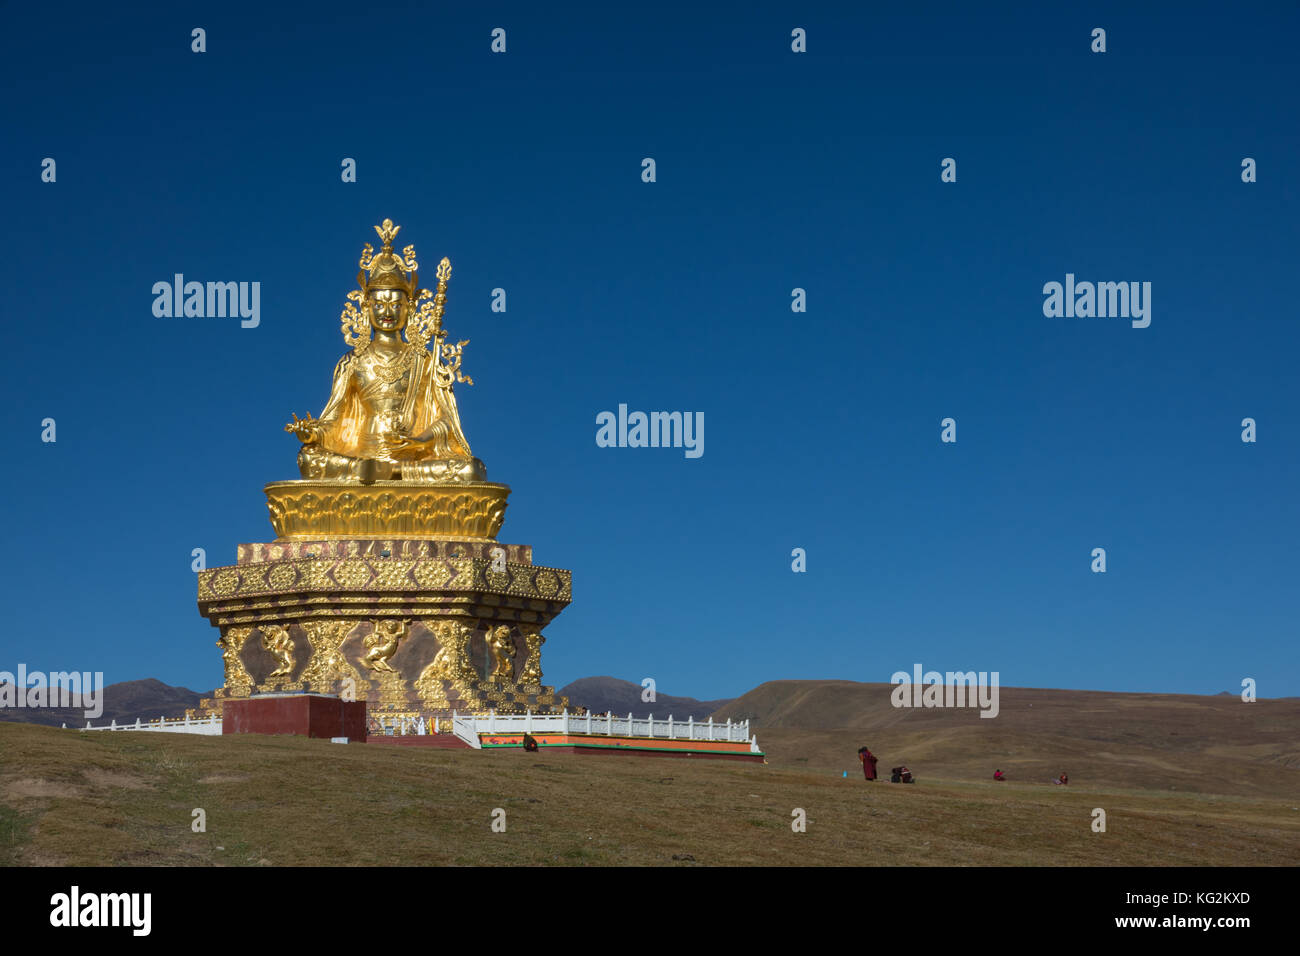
(357, 418)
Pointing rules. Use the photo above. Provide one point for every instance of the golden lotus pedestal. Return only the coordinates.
(397, 593)
(307, 510)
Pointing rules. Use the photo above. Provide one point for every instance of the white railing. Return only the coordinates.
(468, 727)
(611, 726)
(181, 725)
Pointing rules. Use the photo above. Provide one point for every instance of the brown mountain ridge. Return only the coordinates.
(147, 699)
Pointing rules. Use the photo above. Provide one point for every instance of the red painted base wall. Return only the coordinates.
(306, 715)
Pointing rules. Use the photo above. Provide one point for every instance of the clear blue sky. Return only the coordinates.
(775, 171)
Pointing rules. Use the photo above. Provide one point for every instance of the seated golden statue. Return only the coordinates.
(391, 414)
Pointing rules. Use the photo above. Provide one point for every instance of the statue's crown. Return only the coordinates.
(388, 270)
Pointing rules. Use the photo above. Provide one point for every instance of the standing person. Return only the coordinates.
(868, 763)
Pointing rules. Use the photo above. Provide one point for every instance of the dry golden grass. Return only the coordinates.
(126, 798)
(1178, 742)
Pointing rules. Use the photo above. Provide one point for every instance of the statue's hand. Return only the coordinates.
(398, 445)
(306, 429)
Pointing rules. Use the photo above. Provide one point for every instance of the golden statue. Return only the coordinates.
(391, 414)
(382, 644)
(385, 549)
(502, 649)
(276, 639)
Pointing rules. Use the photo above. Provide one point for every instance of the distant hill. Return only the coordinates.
(600, 694)
(1209, 744)
(146, 699)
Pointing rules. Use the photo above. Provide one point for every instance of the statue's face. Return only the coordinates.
(388, 309)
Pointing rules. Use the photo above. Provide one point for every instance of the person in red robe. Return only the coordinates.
(868, 763)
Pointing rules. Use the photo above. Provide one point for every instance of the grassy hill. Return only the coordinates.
(68, 797)
(1179, 742)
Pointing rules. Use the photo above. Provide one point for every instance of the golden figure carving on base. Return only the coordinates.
(382, 644)
(532, 674)
(276, 639)
(239, 683)
(502, 649)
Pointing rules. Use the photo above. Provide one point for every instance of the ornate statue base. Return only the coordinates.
(416, 626)
(327, 508)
